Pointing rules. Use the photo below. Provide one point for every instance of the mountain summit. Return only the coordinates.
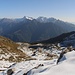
(28, 29)
(45, 19)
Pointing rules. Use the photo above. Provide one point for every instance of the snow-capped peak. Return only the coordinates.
(29, 18)
(24, 18)
(41, 19)
(45, 19)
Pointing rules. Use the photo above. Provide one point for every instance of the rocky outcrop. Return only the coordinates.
(68, 49)
(10, 71)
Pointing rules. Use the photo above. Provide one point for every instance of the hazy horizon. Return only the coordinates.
(63, 10)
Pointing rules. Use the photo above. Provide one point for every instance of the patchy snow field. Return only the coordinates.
(24, 67)
(65, 67)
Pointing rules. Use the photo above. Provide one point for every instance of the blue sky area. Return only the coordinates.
(60, 9)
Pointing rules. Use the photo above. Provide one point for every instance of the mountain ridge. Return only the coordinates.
(57, 39)
(28, 29)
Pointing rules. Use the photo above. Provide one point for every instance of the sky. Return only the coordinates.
(59, 9)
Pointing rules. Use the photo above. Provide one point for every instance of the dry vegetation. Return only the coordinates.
(8, 47)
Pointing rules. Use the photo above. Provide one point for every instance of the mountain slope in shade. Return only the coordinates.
(69, 40)
(27, 29)
(61, 38)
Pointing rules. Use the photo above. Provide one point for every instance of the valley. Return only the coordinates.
(17, 58)
(28, 29)
(37, 37)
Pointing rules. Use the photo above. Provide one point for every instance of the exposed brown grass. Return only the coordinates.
(10, 47)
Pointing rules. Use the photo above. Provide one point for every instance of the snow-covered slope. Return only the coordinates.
(65, 67)
(44, 61)
(35, 59)
(69, 41)
(41, 67)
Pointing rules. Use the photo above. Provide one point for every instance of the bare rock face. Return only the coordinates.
(61, 55)
(25, 74)
(10, 71)
(63, 52)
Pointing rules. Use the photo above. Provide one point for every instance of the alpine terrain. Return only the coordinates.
(28, 29)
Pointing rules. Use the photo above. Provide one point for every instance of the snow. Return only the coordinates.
(4, 64)
(70, 40)
(30, 18)
(45, 19)
(24, 67)
(66, 66)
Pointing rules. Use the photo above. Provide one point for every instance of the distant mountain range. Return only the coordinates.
(28, 29)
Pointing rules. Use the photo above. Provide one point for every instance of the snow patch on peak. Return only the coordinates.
(45, 19)
(29, 18)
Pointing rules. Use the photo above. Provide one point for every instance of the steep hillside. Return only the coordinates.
(63, 37)
(27, 29)
(9, 51)
(50, 61)
(69, 40)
